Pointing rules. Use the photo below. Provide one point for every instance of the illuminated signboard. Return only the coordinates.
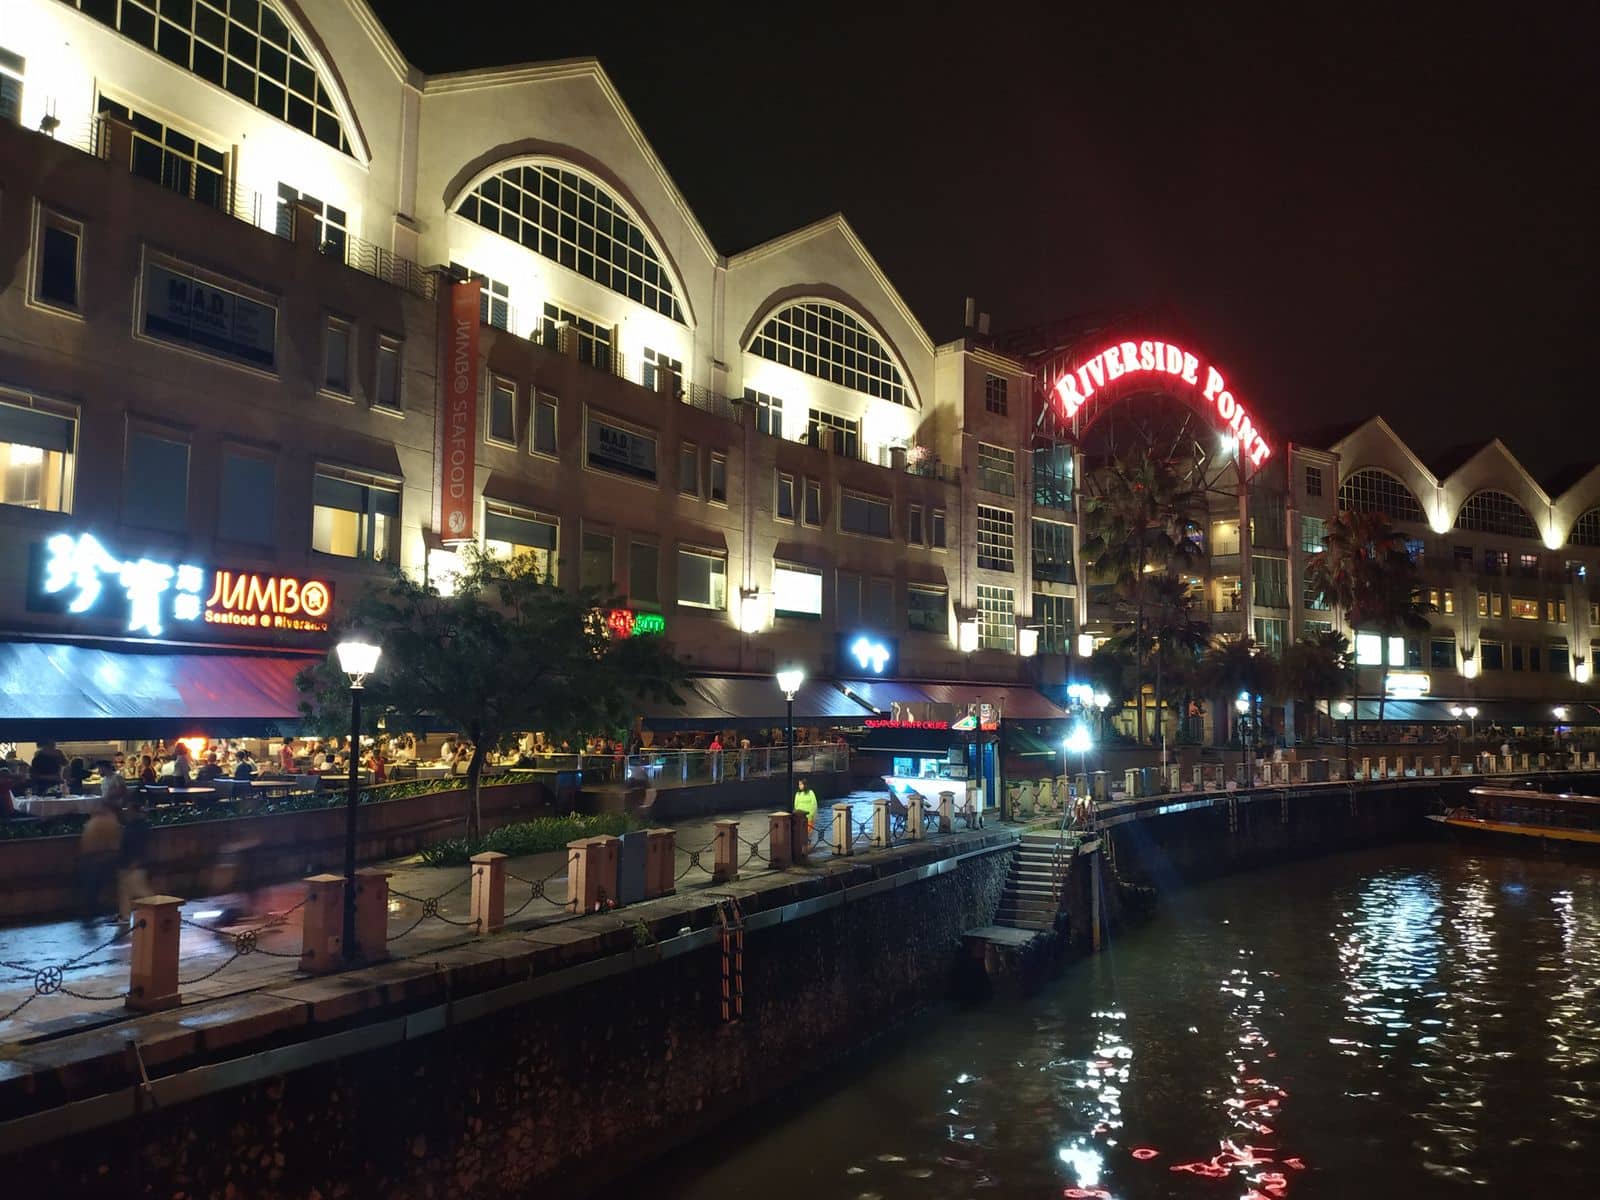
(625, 623)
(1174, 365)
(77, 575)
(882, 723)
(869, 654)
(1406, 685)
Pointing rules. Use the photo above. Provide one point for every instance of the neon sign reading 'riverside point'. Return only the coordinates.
(1100, 373)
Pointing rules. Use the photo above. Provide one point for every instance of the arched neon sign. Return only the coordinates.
(1077, 387)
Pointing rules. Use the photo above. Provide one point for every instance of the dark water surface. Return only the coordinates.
(1416, 1021)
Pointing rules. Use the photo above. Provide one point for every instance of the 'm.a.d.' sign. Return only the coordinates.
(455, 440)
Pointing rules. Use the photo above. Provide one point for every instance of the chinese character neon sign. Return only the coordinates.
(870, 655)
(625, 623)
(1103, 371)
(79, 568)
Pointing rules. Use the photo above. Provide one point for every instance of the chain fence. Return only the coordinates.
(50, 979)
(539, 889)
(430, 909)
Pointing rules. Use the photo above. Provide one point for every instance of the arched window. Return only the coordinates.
(242, 45)
(564, 216)
(1372, 490)
(1586, 530)
(1495, 512)
(825, 341)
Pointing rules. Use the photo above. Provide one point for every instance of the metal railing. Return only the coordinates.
(679, 768)
(706, 400)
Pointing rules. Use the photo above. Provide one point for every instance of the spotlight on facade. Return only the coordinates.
(1469, 668)
(967, 633)
(1230, 445)
(1027, 642)
(1580, 670)
(1085, 645)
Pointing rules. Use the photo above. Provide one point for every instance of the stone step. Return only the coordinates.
(1023, 922)
(1013, 887)
(1008, 900)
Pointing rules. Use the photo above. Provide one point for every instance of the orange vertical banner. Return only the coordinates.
(455, 442)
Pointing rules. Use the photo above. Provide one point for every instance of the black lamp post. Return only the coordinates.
(357, 660)
(1348, 712)
(789, 681)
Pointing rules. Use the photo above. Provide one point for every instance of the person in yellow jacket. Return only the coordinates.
(805, 800)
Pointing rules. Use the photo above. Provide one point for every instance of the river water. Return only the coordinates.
(1416, 1021)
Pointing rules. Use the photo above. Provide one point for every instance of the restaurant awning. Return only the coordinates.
(65, 692)
(696, 711)
(1490, 712)
(1014, 701)
(756, 702)
(883, 694)
(1024, 744)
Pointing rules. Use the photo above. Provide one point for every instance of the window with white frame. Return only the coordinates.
(689, 469)
(352, 519)
(502, 415)
(1052, 551)
(386, 375)
(1271, 576)
(813, 509)
(591, 342)
(936, 529)
(997, 539)
(769, 412)
(1375, 490)
(511, 532)
(796, 590)
(702, 579)
(1496, 512)
(994, 393)
(655, 364)
(914, 530)
(865, 514)
(1270, 634)
(927, 609)
(494, 297)
(173, 159)
(543, 440)
(825, 341)
(57, 258)
(997, 469)
(1313, 533)
(841, 435)
(1313, 481)
(717, 478)
(37, 448)
(336, 356)
(997, 618)
(1053, 615)
(783, 506)
(333, 223)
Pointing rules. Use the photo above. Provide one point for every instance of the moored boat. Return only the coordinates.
(1517, 817)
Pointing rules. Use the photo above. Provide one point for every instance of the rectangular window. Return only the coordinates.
(1516, 656)
(1533, 658)
(1496, 562)
(841, 435)
(597, 567)
(1052, 476)
(784, 505)
(336, 356)
(1528, 565)
(156, 483)
(1492, 656)
(1313, 533)
(245, 501)
(702, 579)
(719, 478)
(621, 451)
(1524, 608)
(689, 469)
(1369, 650)
(847, 600)
(12, 69)
(769, 412)
(1268, 527)
(386, 381)
(333, 225)
(864, 514)
(1270, 634)
(494, 298)
(1271, 577)
(543, 440)
(936, 529)
(1225, 537)
(586, 340)
(997, 539)
(879, 605)
(1559, 663)
(1490, 604)
(1442, 654)
(1312, 596)
(172, 159)
(36, 456)
(516, 533)
(55, 280)
(1052, 551)
(997, 469)
(914, 525)
(1555, 611)
(994, 394)
(927, 609)
(658, 368)
(796, 590)
(644, 573)
(1397, 651)
(502, 415)
(813, 514)
(1313, 481)
(1053, 615)
(353, 520)
(997, 618)
(1577, 569)
(1463, 558)
(1413, 652)
(185, 310)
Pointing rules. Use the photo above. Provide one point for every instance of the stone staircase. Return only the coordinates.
(1031, 898)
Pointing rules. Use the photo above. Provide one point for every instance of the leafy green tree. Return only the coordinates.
(1142, 511)
(500, 653)
(1318, 667)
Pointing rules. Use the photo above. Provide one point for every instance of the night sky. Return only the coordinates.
(1357, 213)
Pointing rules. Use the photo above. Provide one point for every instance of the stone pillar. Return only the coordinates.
(322, 938)
(153, 969)
(1383, 766)
(1080, 790)
(489, 890)
(1438, 762)
(947, 812)
(1455, 764)
(589, 884)
(844, 836)
(780, 840)
(1132, 782)
(881, 833)
(1199, 777)
(372, 914)
(1100, 787)
(1526, 762)
(1541, 760)
(660, 863)
(800, 836)
(726, 867)
(914, 831)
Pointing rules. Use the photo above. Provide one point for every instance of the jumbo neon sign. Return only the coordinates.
(1120, 360)
(625, 623)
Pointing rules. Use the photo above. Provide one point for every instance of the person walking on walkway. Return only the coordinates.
(805, 800)
(132, 880)
(98, 847)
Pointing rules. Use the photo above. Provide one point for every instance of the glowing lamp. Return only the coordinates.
(1580, 671)
(1559, 712)
(1078, 740)
(196, 745)
(751, 613)
(1102, 701)
(789, 681)
(1345, 709)
(1469, 668)
(1439, 522)
(1230, 445)
(1472, 712)
(967, 633)
(1456, 710)
(1085, 645)
(1027, 642)
(357, 659)
(1241, 705)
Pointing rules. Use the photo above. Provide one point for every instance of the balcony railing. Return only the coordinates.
(711, 402)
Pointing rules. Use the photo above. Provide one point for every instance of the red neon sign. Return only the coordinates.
(1100, 373)
(880, 723)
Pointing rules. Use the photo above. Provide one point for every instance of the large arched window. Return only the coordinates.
(1372, 490)
(1495, 512)
(1586, 529)
(242, 45)
(569, 218)
(825, 341)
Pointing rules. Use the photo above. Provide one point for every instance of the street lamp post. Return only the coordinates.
(1560, 714)
(1472, 732)
(789, 681)
(1077, 742)
(357, 659)
(1241, 706)
(1347, 712)
(1455, 711)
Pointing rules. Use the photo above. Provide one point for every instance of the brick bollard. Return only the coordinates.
(660, 863)
(947, 812)
(726, 853)
(780, 840)
(842, 835)
(914, 832)
(489, 890)
(153, 971)
(322, 940)
(800, 837)
(372, 914)
(591, 873)
(881, 833)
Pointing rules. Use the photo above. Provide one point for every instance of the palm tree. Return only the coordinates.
(1318, 667)
(1175, 635)
(1237, 664)
(1365, 569)
(1142, 514)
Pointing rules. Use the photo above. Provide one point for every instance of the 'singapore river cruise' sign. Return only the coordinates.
(1103, 372)
(77, 575)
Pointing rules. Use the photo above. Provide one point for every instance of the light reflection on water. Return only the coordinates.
(1382, 1023)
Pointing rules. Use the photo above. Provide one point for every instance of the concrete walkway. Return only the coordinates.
(62, 976)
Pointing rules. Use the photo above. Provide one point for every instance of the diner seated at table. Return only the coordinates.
(45, 770)
(209, 770)
(77, 773)
(147, 770)
(245, 768)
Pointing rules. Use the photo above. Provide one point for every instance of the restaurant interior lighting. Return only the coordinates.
(358, 659)
(1085, 645)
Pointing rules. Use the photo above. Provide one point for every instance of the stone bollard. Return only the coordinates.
(591, 873)
(1455, 764)
(947, 812)
(1366, 768)
(780, 840)
(1100, 787)
(153, 969)
(1526, 761)
(881, 833)
(322, 940)
(800, 837)
(660, 863)
(489, 890)
(1175, 777)
(726, 865)
(914, 831)
(372, 914)
(844, 836)
(1132, 783)
(1541, 760)
(1438, 765)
